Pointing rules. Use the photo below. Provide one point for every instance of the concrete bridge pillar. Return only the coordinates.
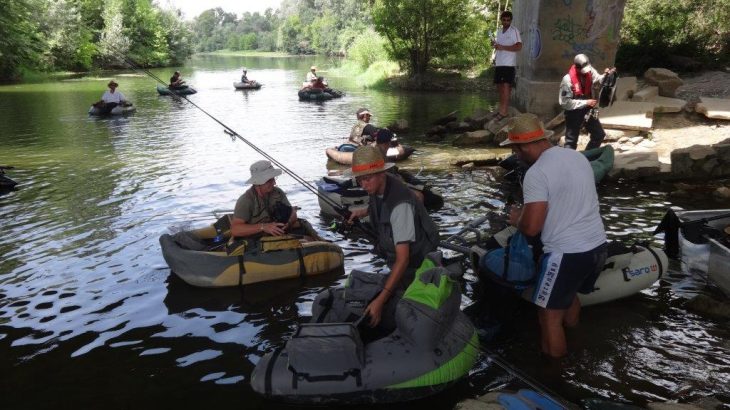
(553, 32)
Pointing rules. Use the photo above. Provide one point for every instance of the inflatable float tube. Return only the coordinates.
(314, 95)
(347, 195)
(627, 271)
(601, 160)
(118, 110)
(264, 259)
(433, 346)
(184, 90)
(252, 85)
(395, 154)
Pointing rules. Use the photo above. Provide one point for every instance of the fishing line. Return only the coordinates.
(228, 130)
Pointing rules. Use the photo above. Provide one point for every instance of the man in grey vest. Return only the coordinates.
(405, 231)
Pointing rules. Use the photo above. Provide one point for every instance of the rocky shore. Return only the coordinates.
(662, 127)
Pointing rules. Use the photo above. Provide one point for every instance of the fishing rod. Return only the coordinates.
(233, 134)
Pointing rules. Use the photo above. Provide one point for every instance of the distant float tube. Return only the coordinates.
(251, 85)
(184, 90)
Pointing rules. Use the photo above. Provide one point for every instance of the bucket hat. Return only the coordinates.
(367, 160)
(582, 61)
(112, 82)
(362, 111)
(262, 171)
(525, 128)
(314, 67)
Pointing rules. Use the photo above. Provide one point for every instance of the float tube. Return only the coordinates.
(184, 90)
(432, 347)
(207, 258)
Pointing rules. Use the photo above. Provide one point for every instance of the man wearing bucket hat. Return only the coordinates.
(111, 98)
(362, 132)
(255, 210)
(312, 74)
(561, 205)
(244, 76)
(576, 98)
(405, 231)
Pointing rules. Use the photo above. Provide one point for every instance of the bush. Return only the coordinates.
(367, 48)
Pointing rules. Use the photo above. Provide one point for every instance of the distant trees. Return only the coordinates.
(51, 35)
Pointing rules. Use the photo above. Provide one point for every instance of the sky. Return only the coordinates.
(192, 8)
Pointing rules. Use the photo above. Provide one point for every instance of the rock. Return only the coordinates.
(476, 157)
(680, 193)
(479, 137)
(471, 404)
(447, 119)
(722, 192)
(716, 108)
(468, 166)
(635, 164)
(645, 94)
(636, 140)
(616, 135)
(647, 144)
(666, 104)
(438, 129)
(400, 125)
(624, 140)
(666, 81)
(628, 115)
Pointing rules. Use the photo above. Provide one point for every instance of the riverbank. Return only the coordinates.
(248, 53)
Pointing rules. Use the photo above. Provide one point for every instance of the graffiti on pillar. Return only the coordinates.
(603, 17)
(601, 20)
(535, 43)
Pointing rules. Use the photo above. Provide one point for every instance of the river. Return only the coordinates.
(91, 316)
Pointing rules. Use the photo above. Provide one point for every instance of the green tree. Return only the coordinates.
(419, 30)
(113, 44)
(20, 44)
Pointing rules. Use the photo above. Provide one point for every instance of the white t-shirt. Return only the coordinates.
(507, 38)
(564, 179)
(401, 220)
(116, 97)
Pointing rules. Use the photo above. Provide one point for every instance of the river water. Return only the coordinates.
(91, 316)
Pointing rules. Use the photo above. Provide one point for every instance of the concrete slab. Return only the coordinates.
(716, 108)
(628, 115)
(625, 88)
(667, 104)
(646, 94)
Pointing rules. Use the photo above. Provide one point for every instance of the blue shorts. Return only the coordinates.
(504, 74)
(563, 275)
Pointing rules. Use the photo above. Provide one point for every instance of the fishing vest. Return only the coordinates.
(356, 133)
(427, 235)
(580, 90)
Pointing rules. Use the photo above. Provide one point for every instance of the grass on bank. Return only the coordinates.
(247, 53)
(376, 76)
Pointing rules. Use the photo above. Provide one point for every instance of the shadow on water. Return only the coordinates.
(91, 316)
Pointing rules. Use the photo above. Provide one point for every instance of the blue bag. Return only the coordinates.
(511, 266)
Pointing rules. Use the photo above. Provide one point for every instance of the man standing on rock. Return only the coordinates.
(506, 45)
(561, 205)
(576, 98)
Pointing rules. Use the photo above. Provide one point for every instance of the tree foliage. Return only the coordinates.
(420, 30)
(653, 30)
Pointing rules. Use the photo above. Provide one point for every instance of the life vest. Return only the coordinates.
(427, 236)
(356, 133)
(580, 90)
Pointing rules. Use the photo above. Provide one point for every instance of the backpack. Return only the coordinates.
(512, 266)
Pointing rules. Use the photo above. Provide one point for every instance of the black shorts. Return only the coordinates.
(562, 275)
(504, 74)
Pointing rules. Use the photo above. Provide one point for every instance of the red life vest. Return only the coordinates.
(580, 89)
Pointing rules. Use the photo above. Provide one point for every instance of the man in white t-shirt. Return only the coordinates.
(561, 205)
(111, 98)
(507, 44)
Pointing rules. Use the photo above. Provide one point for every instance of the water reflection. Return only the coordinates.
(85, 296)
